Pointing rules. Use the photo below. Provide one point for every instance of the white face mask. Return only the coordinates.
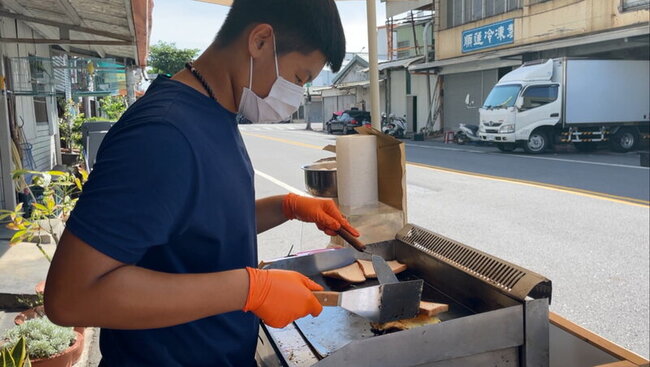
(283, 100)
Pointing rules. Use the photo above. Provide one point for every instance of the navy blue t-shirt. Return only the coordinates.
(172, 190)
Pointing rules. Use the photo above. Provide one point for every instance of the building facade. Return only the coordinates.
(479, 41)
(60, 51)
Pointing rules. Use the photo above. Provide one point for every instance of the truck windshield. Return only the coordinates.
(502, 96)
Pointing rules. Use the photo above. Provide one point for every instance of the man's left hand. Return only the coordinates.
(322, 212)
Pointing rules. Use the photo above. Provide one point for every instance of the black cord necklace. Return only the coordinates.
(190, 66)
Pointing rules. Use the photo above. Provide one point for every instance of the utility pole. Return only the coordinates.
(373, 72)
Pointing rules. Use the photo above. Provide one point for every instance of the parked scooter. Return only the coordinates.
(466, 134)
(393, 125)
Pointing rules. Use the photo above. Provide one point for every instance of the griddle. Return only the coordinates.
(498, 313)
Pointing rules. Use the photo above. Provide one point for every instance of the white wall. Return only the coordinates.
(364, 94)
(398, 92)
(419, 89)
(39, 133)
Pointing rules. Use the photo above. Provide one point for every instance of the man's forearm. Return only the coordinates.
(131, 297)
(269, 213)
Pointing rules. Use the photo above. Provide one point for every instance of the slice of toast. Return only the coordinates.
(369, 270)
(351, 273)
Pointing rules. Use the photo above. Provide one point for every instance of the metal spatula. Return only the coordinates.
(380, 303)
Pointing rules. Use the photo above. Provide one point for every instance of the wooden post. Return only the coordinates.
(8, 193)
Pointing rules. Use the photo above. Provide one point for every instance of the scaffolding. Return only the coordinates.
(411, 19)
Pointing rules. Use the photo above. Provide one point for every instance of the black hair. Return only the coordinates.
(299, 25)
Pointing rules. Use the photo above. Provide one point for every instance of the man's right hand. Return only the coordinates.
(278, 297)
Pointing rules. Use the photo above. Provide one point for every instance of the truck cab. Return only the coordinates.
(519, 104)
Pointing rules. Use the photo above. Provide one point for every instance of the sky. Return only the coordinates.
(193, 24)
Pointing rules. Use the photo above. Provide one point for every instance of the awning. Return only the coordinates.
(399, 64)
(108, 28)
(348, 85)
(506, 53)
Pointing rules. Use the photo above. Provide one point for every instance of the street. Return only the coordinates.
(579, 219)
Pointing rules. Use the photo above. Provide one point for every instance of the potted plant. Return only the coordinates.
(47, 344)
(50, 198)
(15, 356)
(70, 132)
(35, 308)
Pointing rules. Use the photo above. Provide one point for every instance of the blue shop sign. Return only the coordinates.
(491, 35)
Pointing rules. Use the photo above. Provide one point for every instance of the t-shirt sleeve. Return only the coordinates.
(138, 193)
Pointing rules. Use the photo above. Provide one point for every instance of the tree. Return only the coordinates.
(166, 58)
(113, 107)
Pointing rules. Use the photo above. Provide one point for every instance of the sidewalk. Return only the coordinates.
(21, 267)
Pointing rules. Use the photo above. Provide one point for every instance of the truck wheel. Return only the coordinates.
(506, 147)
(624, 140)
(586, 147)
(537, 142)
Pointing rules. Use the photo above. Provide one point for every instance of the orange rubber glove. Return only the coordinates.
(323, 212)
(278, 297)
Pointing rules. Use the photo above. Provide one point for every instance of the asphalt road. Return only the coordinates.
(579, 219)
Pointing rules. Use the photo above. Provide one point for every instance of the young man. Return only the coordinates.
(160, 251)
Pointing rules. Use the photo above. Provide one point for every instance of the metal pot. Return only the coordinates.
(320, 179)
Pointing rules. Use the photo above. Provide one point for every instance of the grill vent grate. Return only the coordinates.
(501, 274)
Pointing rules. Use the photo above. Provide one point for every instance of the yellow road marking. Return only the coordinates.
(286, 141)
(570, 190)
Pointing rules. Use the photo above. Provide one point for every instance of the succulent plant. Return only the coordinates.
(42, 338)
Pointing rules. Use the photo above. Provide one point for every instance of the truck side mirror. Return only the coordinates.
(468, 103)
(519, 103)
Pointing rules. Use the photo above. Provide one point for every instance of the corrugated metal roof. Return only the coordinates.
(122, 18)
(399, 64)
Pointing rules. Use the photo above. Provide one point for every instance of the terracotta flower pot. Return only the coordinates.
(65, 358)
(40, 287)
(32, 313)
(39, 311)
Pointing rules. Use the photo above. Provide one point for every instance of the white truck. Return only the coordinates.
(579, 101)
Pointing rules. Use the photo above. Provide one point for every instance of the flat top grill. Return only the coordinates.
(498, 312)
(509, 278)
(336, 327)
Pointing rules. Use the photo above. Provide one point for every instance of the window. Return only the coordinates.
(539, 95)
(537, 1)
(477, 9)
(502, 96)
(490, 7)
(457, 13)
(513, 4)
(465, 11)
(403, 49)
(408, 82)
(635, 4)
(40, 109)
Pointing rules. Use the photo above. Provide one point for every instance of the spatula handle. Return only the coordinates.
(349, 238)
(327, 298)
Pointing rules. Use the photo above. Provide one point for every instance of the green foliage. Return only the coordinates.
(31, 301)
(165, 58)
(42, 338)
(15, 356)
(70, 125)
(113, 107)
(59, 197)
